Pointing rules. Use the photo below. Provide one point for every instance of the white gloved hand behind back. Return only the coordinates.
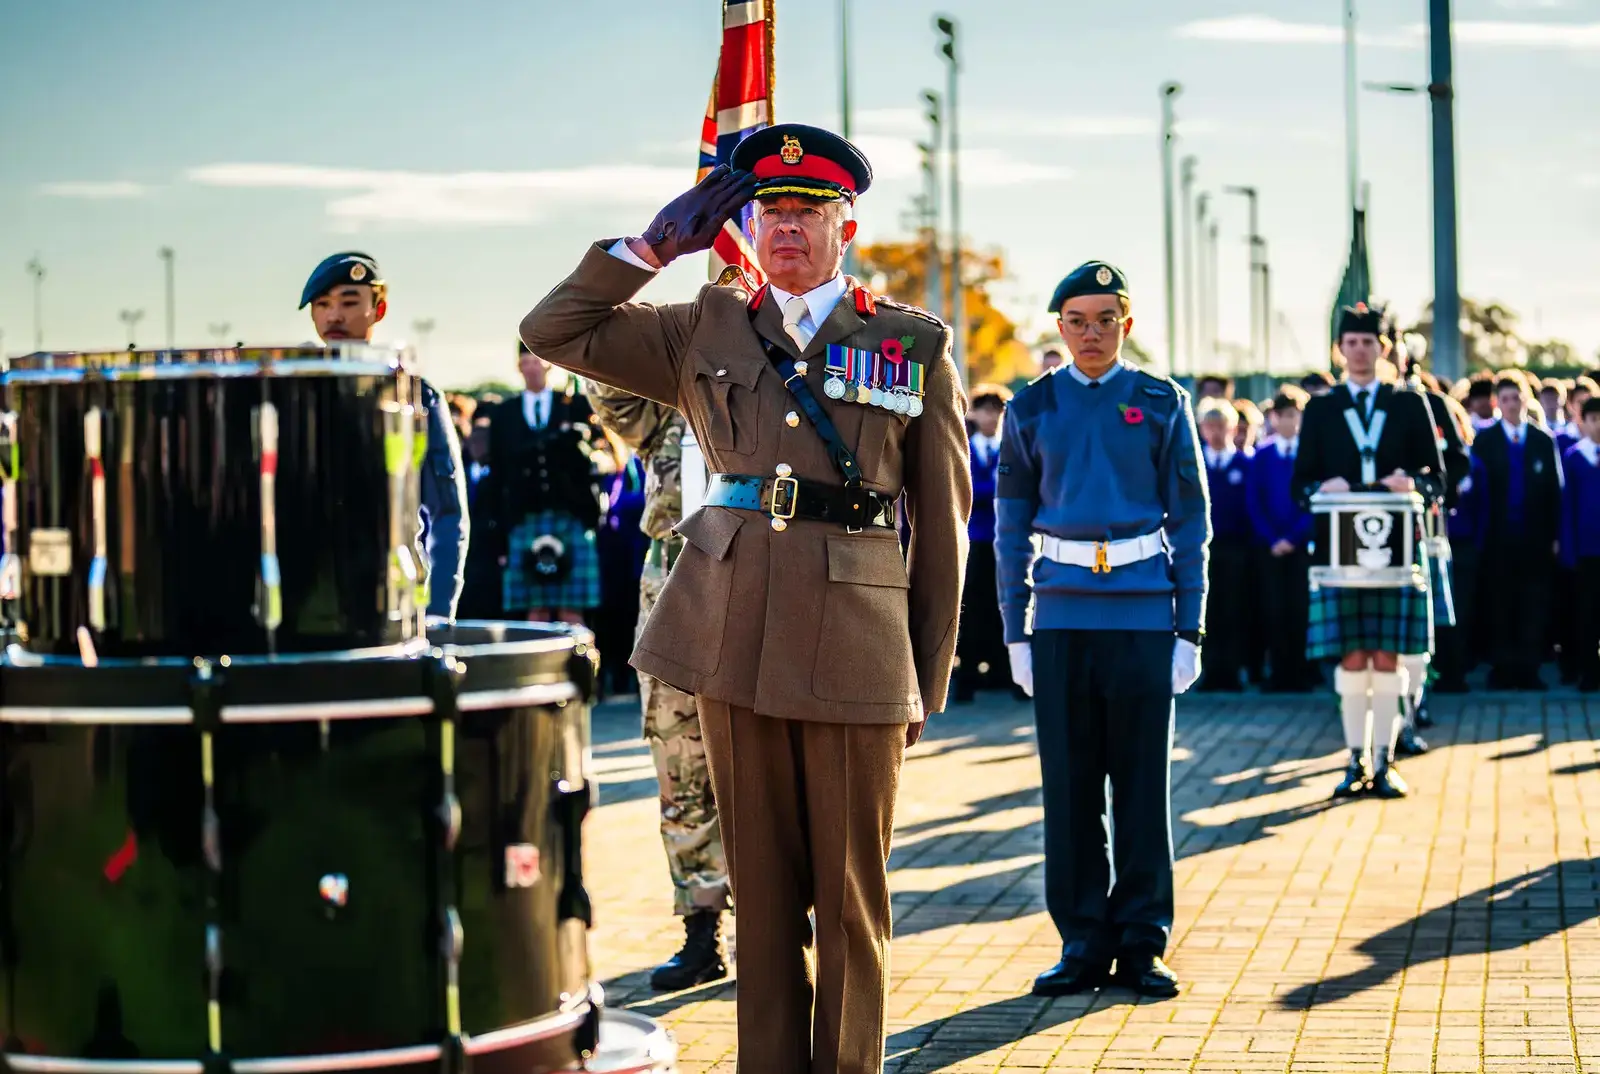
(1185, 665)
(1021, 653)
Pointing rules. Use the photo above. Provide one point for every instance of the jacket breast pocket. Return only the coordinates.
(864, 651)
(686, 624)
(725, 393)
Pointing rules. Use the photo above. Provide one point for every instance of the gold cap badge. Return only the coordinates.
(1103, 277)
(358, 272)
(791, 153)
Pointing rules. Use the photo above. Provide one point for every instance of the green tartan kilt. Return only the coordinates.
(579, 588)
(1344, 621)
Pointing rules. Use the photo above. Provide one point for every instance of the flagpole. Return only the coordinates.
(852, 263)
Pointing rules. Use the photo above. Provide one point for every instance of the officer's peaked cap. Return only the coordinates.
(806, 162)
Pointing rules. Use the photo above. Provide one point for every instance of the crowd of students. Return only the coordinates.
(1523, 524)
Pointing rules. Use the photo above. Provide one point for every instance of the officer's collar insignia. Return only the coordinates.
(791, 153)
(1103, 277)
(866, 302)
(759, 296)
(358, 272)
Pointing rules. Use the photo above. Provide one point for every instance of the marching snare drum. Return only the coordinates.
(1374, 540)
(241, 501)
(299, 865)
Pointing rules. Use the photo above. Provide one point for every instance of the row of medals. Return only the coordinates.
(894, 400)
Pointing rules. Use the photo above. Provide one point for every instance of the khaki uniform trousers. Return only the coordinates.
(807, 813)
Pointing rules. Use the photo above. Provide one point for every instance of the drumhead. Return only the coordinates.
(633, 1044)
(302, 360)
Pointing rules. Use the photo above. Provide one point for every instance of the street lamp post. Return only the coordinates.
(1204, 283)
(930, 175)
(167, 255)
(36, 270)
(1254, 238)
(1186, 172)
(1266, 311)
(1216, 307)
(131, 318)
(958, 322)
(1169, 93)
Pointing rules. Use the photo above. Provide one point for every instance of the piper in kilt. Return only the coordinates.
(1358, 431)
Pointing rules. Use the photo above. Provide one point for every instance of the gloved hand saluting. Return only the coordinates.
(690, 223)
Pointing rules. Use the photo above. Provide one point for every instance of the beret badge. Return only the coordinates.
(358, 272)
(1103, 277)
(791, 153)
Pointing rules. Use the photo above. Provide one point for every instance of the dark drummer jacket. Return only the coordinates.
(1328, 450)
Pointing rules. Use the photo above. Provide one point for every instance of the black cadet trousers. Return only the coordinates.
(1231, 632)
(1285, 583)
(1103, 708)
(1519, 601)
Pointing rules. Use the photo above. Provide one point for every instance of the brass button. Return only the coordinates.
(791, 419)
(779, 525)
(784, 469)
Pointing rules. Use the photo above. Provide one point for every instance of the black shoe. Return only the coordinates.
(1356, 778)
(701, 959)
(1386, 782)
(1070, 976)
(1409, 744)
(1145, 974)
(1424, 717)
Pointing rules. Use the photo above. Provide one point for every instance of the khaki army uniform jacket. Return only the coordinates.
(811, 623)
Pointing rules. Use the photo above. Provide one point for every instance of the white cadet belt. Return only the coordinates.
(1101, 556)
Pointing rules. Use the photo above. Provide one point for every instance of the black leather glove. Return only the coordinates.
(690, 223)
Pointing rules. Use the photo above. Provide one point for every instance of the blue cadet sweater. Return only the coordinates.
(1101, 463)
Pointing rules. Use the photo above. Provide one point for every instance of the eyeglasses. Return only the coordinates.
(1104, 326)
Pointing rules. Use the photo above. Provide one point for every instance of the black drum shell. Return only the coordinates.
(105, 955)
(183, 499)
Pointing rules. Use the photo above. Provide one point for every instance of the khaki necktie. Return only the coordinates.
(794, 311)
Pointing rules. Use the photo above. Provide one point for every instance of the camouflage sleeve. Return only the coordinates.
(636, 421)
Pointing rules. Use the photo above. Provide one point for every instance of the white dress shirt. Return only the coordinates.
(1219, 460)
(1517, 433)
(1287, 448)
(536, 408)
(1589, 450)
(987, 446)
(820, 301)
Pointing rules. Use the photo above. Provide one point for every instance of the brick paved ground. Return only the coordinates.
(1454, 931)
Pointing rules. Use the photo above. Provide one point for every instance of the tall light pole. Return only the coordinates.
(1254, 238)
(958, 318)
(131, 318)
(1186, 172)
(166, 254)
(36, 270)
(1169, 92)
(1266, 310)
(1216, 306)
(1446, 287)
(1202, 271)
(930, 175)
(1352, 145)
(851, 262)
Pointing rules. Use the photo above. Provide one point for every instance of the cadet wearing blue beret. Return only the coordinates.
(348, 298)
(1099, 467)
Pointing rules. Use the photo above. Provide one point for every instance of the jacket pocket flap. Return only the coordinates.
(711, 529)
(867, 561)
(741, 371)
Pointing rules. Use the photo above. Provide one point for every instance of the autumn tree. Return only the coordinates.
(993, 351)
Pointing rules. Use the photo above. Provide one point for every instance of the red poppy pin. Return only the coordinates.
(1131, 414)
(895, 349)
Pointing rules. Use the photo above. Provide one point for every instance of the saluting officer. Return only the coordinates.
(813, 648)
(348, 298)
(1100, 464)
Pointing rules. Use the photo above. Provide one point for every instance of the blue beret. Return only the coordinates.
(352, 266)
(1090, 278)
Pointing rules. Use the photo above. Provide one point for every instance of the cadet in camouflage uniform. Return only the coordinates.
(689, 826)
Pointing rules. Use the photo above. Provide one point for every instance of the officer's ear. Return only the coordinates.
(383, 308)
(848, 231)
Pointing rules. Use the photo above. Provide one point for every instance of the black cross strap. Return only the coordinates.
(842, 456)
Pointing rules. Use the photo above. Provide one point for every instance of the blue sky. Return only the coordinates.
(475, 148)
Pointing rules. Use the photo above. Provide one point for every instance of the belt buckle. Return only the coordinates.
(785, 497)
(1101, 564)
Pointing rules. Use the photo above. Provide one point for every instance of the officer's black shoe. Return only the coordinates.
(1145, 974)
(1356, 777)
(1409, 744)
(701, 959)
(1386, 782)
(1424, 717)
(1070, 976)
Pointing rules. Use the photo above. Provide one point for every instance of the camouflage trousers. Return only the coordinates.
(689, 827)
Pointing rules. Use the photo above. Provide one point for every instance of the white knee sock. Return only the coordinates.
(1352, 687)
(1388, 690)
(1416, 669)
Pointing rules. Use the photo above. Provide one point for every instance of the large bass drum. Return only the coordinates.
(244, 501)
(299, 865)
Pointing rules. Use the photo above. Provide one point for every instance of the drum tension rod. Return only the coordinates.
(206, 689)
(444, 674)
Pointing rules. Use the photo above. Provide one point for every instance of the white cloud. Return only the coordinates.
(897, 159)
(456, 197)
(1266, 30)
(94, 191)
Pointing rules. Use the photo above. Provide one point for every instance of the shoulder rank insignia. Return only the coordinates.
(866, 302)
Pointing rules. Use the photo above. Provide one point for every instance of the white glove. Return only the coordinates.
(1185, 665)
(1022, 665)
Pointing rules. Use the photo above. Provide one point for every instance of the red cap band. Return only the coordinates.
(811, 167)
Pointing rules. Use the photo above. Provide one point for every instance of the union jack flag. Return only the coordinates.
(741, 104)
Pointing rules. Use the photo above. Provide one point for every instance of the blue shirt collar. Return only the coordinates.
(1083, 378)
